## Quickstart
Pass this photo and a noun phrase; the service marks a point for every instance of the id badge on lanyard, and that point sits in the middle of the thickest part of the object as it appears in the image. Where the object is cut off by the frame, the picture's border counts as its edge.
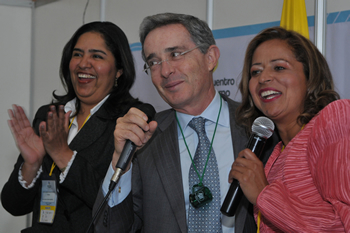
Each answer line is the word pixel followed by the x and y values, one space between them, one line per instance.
pixel 48 201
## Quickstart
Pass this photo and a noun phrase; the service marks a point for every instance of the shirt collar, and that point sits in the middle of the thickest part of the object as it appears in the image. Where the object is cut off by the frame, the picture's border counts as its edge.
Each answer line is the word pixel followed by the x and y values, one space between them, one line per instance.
pixel 210 113
pixel 70 106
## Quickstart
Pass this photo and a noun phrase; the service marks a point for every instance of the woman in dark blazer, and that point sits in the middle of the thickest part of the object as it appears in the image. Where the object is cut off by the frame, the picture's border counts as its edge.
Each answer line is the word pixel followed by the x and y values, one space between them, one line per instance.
pixel 66 153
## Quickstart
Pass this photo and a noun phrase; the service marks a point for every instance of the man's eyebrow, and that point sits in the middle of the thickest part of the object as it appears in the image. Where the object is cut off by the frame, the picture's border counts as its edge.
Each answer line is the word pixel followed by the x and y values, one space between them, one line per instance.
pixel 149 57
pixel 167 50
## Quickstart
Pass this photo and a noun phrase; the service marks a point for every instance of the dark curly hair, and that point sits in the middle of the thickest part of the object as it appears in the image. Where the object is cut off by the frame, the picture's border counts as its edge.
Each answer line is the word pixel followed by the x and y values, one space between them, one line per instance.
pixel 320 88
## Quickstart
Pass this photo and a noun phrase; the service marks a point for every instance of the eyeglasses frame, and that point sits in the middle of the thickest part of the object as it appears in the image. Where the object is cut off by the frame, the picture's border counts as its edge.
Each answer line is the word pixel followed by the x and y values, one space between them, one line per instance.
pixel 166 60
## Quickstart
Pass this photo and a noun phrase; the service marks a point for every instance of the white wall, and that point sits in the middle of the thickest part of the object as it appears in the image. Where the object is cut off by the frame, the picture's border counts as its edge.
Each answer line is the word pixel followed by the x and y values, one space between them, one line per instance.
pixel 15 40
pixel 55 23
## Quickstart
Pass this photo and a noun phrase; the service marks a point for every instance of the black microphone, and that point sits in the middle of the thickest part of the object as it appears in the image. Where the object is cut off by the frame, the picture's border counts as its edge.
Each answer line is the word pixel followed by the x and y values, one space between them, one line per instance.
pixel 124 159
pixel 262 129
pixel 129 148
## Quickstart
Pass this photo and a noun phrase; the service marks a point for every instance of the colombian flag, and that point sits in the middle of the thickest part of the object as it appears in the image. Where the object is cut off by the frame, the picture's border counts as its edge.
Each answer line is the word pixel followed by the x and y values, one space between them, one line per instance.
pixel 294 17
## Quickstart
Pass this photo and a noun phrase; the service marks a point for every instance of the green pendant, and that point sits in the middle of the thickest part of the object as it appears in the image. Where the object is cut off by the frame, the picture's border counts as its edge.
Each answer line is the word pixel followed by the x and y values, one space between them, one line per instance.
pixel 200 196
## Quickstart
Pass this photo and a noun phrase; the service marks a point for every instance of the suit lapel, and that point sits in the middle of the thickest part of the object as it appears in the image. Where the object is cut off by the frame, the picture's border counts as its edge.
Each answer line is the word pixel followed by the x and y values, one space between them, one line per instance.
pixel 167 160
pixel 239 140
pixel 92 131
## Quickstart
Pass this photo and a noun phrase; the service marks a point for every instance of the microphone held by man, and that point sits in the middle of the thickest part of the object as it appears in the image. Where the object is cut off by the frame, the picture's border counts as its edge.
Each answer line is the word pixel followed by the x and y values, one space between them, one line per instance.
pixel 129 148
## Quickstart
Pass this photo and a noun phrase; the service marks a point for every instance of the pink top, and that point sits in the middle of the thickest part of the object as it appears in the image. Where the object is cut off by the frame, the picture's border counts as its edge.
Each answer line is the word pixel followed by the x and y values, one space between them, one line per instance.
pixel 309 182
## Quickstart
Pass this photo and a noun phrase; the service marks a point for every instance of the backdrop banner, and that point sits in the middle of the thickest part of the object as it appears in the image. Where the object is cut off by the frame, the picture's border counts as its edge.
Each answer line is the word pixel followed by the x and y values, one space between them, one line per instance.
pixel 233 42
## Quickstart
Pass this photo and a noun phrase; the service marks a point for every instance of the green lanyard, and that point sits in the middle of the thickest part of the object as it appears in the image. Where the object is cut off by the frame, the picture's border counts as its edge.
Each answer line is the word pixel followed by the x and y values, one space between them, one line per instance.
pixel 211 144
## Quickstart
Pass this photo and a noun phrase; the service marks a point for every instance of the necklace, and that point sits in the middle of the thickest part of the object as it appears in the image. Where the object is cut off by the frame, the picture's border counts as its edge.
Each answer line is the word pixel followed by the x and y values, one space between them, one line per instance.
pixel 283 146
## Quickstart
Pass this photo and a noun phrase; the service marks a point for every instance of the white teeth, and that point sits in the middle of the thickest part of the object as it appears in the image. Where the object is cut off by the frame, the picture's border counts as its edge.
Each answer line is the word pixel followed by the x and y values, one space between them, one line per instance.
pixel 267 93
pixel 86 76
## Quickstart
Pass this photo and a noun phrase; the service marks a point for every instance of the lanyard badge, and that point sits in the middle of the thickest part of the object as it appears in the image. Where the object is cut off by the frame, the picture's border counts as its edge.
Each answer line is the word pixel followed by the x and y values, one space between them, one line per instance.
pixel 201 195
pixel 48 201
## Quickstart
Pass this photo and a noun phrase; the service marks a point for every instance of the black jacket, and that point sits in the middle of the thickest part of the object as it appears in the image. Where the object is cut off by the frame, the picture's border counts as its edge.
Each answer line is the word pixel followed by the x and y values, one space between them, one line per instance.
pixel 76 196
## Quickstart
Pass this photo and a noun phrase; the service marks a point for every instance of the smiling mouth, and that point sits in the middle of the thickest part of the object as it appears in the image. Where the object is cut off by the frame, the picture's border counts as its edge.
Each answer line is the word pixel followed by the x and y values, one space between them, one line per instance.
pixel 172 84
pixel 269 94
pixel 86 76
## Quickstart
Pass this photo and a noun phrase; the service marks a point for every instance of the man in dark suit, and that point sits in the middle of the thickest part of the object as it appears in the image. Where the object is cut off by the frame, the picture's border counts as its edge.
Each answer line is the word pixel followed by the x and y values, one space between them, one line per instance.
pixel 153 196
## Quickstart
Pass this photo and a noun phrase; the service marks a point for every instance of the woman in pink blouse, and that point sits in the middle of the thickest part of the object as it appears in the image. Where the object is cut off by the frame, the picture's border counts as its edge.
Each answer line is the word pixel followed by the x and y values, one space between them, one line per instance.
pixel 305 185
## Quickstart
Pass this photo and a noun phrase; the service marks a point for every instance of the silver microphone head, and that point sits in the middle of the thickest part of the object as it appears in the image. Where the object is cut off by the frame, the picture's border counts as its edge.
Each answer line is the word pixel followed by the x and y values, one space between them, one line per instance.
pixel 263 127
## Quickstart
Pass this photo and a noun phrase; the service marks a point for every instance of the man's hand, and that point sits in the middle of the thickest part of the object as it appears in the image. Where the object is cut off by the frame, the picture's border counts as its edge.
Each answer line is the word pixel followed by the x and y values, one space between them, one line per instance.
pixel 132 126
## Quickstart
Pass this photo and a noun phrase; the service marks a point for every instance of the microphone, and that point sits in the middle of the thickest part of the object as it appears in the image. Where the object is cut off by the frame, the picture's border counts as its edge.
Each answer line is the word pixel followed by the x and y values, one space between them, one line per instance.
pixel 262 129
pixel 124 159
pixel 129 149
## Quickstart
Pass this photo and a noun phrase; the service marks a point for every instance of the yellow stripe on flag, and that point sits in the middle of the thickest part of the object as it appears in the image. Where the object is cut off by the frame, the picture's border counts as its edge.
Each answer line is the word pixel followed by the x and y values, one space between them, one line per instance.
pixel 294 17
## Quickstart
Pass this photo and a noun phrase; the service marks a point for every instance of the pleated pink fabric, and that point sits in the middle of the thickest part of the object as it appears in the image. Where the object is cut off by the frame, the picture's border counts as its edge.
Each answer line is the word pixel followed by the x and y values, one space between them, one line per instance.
pixel 309 182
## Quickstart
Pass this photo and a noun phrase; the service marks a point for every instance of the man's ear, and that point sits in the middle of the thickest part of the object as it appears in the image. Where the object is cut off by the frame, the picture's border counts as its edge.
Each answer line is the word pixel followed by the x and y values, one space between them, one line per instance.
pixel 213 55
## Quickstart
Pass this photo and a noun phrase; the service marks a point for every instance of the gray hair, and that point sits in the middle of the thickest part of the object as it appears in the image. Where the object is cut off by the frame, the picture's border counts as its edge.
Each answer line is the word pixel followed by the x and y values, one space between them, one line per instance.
pixel 199 30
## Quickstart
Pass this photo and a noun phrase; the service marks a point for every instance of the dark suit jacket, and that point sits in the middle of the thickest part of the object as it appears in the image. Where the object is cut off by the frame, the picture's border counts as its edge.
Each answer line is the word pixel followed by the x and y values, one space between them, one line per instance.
pixel 95 145
pixel 157 202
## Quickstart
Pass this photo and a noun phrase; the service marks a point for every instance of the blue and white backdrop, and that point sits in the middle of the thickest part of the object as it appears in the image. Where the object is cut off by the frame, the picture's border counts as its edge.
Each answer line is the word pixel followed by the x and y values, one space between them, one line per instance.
pixel 233 42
